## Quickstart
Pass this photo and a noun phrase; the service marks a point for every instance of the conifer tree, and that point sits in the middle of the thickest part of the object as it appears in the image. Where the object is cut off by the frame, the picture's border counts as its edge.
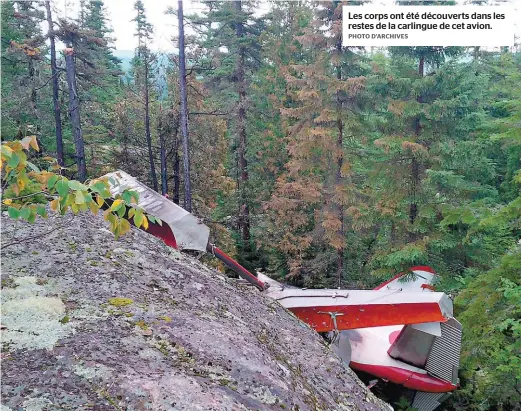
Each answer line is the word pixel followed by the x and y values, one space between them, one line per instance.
pixel 95 21
pixel 231 46
pixel 315 191
pixel 184 108
pixel 23 51
pixel 142 64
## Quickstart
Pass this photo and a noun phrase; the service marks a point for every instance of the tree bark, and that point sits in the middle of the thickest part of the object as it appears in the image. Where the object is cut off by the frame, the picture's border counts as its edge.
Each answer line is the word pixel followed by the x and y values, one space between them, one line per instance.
pixel 340 163
pixel 177 180
pixel 415 165
pixel 162 154
pixel 74 111
pixel 244 211
pixel 153 175
pixel 55 98
pixel 184 110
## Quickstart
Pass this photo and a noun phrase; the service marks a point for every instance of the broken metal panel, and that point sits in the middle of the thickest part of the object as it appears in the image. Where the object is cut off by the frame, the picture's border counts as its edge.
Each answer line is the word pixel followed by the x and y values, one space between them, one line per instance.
pixel 190 233
pixel 429 328
pixel 412 346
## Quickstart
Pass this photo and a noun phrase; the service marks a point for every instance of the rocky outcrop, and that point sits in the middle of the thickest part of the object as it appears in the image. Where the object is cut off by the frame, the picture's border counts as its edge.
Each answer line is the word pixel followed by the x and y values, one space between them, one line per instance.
pixel 90 323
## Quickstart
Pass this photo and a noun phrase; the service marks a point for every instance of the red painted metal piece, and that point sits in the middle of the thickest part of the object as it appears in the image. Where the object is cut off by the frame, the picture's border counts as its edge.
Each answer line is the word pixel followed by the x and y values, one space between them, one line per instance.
pixel 409 379
pixel 164 232
pixel 371 315
pixel 235 266
pixel 427 287
pixel 423 268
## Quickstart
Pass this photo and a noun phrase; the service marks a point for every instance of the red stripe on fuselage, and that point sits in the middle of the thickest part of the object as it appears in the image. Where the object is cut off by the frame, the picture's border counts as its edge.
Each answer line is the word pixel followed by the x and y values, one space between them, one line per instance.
pixel 409 379
pixel 369 315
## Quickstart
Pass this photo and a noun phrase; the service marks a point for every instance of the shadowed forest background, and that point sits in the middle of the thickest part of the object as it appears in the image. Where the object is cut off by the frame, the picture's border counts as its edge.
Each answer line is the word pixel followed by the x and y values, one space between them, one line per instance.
pixel 322 165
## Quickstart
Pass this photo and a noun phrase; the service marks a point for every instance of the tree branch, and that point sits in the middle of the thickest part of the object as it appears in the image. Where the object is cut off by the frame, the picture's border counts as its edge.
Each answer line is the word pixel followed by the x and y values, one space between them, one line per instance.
pixel 47 82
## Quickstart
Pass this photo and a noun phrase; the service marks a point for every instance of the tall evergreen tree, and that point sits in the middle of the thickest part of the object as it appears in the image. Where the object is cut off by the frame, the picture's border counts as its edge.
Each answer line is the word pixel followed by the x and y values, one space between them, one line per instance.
pixel 231 38
pixel 142 63
pixel 23 51
pixel 316 191
pixel 184 108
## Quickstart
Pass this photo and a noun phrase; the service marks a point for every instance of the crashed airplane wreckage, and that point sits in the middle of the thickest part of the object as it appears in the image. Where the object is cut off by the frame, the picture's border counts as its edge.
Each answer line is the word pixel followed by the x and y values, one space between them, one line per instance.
pixel 402 331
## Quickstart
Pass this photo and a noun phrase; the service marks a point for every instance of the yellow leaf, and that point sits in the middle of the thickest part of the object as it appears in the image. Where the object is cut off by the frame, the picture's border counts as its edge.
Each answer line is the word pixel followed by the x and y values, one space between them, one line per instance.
pixel 124 226
pixel 21 184
pixel 7 201
pixel 106 214
pixel 145 222
pixel 79 198
pixel 16 146
pixel 55 204
pixel 93 207
pixel 34 143
pixel 116 205
pixel 6 150
pixel 100 201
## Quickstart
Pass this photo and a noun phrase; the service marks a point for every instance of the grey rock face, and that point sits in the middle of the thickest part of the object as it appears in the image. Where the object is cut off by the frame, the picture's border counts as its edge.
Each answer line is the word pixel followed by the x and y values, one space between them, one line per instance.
pixel 90 323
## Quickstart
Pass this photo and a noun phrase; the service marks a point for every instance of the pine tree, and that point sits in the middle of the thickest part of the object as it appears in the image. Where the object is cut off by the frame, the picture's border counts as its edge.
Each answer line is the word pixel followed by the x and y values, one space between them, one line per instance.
pixel 266 130
pixel 315 193
pixel 184 108
pixel 142 63
pixel 23 51
pixel 231 46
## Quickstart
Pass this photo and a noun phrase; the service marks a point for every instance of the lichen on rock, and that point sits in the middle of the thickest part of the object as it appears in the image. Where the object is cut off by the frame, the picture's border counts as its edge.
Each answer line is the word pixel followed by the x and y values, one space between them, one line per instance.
pixel 31 319
pixel 180 337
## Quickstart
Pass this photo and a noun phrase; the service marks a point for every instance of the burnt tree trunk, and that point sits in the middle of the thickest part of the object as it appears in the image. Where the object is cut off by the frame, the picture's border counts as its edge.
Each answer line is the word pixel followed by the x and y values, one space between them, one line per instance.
pixel 153 175
pixel 55 98
pixel 244 211
pixel 74 112
pixel 184 110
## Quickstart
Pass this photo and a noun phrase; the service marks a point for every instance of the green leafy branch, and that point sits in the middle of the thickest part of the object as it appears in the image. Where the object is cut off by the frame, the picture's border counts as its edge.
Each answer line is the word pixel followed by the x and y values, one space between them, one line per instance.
pixel 27 190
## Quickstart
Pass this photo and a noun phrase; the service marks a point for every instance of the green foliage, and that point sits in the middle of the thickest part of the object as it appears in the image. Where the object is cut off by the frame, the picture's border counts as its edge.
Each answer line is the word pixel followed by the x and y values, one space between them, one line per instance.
pixel 490 310
pixel 425 167
pixel 28 189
